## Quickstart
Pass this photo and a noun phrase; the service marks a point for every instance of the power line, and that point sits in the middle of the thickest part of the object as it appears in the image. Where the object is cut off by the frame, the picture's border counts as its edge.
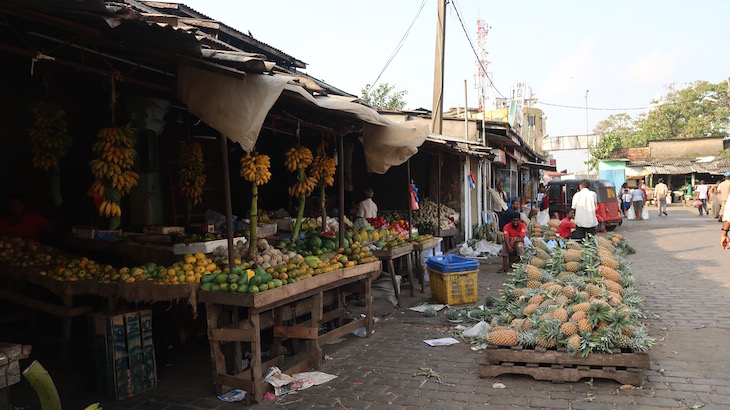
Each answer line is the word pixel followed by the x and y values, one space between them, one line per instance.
pixel 398 46
pixel 593 108
pixel 474 49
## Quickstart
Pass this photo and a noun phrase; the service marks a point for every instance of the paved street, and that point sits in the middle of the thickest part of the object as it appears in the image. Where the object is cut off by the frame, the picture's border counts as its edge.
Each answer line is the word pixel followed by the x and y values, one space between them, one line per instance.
pixel 679 269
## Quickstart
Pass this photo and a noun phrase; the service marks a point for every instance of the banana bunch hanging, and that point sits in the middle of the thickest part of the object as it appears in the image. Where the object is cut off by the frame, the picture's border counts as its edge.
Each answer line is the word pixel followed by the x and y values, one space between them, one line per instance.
pixel 109 208
pixel 255 168
pixel 112 168
pixel 191 175
pixel 303 187
pixel 49 137
pixel 297 157
pixel 323 169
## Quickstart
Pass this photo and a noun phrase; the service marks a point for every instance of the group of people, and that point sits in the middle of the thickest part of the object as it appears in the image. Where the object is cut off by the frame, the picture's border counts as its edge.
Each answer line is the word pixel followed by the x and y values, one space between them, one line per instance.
pixel 583 212
pixel 716 195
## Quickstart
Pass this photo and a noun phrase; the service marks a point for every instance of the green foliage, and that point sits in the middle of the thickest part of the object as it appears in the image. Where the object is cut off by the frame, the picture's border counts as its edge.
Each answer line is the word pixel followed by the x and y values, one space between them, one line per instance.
pixel 699 110
pixel 384 97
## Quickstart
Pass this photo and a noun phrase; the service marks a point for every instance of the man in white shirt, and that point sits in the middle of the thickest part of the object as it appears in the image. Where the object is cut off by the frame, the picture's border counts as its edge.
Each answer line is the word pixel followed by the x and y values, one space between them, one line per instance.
pixel 724 239
pixel 660 192
pixel 702 196
pixel 367 208
pixel 584 204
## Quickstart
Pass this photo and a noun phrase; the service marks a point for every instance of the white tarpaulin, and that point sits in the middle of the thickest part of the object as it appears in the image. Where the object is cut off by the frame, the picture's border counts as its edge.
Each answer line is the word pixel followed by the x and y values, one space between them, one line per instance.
pixel 236 107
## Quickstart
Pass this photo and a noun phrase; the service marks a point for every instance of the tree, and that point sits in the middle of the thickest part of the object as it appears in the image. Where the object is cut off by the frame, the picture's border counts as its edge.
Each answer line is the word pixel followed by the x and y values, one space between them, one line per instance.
pixel 383 97
pixel 700 110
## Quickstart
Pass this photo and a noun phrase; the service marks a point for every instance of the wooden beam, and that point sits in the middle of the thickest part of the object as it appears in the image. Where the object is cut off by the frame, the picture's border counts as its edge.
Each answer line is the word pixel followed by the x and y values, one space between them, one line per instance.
pixel 230 335
pixel 296 332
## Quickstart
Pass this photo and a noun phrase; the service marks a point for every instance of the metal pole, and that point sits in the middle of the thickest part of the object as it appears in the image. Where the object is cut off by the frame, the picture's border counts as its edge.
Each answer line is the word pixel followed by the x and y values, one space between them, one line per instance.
pixel 408 191
pixel 231 249
pixel 438 196
pixel 341 187
pixel 438 72
pixel 466 115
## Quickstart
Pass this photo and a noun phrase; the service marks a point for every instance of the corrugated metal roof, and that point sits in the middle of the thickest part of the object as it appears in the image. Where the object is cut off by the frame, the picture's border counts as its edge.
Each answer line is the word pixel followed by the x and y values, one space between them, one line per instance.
pixel 716 166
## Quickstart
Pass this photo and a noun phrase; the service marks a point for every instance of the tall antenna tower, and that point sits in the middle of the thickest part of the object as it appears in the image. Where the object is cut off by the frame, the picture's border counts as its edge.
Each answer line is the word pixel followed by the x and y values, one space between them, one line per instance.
pixel 482 78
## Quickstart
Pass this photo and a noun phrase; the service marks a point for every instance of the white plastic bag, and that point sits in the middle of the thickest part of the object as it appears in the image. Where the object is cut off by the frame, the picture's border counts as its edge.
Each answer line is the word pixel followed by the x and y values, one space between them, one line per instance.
pixel 645 212
pixel 631 213
pixel 479 330
pixel 543 217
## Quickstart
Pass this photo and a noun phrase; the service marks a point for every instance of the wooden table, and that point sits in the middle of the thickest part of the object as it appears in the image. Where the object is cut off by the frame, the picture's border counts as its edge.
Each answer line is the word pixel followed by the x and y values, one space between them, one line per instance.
pixel 389 257
pixel 280 308
pixel 424 246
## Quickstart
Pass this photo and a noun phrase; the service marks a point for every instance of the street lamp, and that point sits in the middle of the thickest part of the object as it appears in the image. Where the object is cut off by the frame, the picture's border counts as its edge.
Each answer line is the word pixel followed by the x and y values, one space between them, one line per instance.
pixel 587 114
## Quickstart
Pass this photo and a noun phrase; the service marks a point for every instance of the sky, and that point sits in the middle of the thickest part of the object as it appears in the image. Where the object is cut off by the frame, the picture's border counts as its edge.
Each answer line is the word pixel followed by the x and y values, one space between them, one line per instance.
pixel 625 52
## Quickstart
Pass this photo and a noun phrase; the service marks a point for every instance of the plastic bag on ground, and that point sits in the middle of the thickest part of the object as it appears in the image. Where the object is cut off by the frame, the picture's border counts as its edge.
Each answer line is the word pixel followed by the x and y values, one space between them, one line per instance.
pixel 466 250
pixel 479 330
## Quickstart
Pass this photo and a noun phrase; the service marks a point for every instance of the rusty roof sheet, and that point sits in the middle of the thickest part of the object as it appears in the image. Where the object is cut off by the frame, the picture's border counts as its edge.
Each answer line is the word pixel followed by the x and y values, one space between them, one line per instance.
pixel 716 166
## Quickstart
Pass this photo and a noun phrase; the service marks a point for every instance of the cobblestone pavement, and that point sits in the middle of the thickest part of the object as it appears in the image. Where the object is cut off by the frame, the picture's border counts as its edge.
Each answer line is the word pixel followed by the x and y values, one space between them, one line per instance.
pixel 679 269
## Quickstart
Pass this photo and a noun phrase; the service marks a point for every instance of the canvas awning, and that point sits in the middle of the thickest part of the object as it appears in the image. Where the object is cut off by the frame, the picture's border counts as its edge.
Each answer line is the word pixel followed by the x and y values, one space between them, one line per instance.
pixel 237 107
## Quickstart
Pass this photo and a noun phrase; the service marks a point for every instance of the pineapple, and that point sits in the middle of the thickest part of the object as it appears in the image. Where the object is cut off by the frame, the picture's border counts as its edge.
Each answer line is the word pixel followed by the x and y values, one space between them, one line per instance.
pixel 641 341
pixel 572 266
pixel 530 309
pixel 610 262
pixel 609 273
pixel 537 262
pixel 526 325
pixel 540 244
pixel 622 341
pixel 547 286
pixel 507 337
pixel 569 329
pixel 578 315
pixel 538 298
pixel 559 314
pixel 533 272
pixel 573 343
pixel 572 255
pixel 565 275
pixel 533 284
pixel 548 333
pixel 607 243
pixel 568 291
pixel 584 325
pixel 584 295
pixel 593 290
pixel 581 307
pixel 573 245
pixel 561 299
pixel 498 329
pixel 612 286
pixel 618 322
pixel 542 254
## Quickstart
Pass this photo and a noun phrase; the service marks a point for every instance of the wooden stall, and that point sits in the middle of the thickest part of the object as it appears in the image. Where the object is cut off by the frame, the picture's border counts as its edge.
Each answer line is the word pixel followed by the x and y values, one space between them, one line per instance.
pixel 295 311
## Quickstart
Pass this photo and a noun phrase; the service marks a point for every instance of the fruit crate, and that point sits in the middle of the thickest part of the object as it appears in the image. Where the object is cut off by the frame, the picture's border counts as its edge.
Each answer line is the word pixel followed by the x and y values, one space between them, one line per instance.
pixel 558 366
pixel 125 353
pixel 203 247
pixel 451 263
pixel 453 288
pixel 262 230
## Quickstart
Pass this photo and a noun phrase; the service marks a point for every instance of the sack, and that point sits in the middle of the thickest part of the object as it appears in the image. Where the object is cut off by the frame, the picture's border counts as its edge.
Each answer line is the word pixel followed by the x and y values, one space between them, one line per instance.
pixel 645 212
pixel 631 213
pixel 698 203
pixel 543 217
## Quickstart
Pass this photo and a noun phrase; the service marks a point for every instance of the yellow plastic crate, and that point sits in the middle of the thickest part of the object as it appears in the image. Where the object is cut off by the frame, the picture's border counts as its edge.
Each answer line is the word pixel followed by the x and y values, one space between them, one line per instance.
pixel 453 288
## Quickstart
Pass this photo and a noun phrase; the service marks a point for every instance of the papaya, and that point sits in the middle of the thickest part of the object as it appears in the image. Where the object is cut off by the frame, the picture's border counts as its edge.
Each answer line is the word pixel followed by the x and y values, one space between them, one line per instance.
pixel 243 288
pixel 206 286
pixel 255 281
pixel 207 278
pixel 221 278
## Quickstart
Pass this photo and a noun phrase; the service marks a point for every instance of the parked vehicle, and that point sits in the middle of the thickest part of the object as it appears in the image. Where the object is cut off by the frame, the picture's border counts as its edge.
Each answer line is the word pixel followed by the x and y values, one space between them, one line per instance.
pixel 608 210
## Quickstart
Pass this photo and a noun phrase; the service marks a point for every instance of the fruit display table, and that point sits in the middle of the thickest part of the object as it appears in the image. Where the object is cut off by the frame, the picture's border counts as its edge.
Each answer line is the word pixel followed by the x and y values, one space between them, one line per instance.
pixel 418 248
pixel 314 303
pixel 389 256
pixel 449 237
pixel 137 252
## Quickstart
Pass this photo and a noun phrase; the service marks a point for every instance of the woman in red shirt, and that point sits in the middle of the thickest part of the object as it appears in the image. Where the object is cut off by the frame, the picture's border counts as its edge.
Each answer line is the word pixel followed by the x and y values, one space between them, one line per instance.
pixel 566 227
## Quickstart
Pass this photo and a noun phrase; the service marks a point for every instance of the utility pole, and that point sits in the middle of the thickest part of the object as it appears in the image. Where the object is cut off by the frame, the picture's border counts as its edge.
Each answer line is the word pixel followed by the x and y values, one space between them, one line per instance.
pixel 438 72
pixel 587 115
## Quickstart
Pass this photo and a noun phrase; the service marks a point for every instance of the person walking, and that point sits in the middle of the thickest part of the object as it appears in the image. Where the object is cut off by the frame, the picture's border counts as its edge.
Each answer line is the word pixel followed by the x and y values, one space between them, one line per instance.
pixel 584 204
pixel 660 193
pixel 714 200
pixel 626 202
pixel 637 199
pixel 724 240
pixel 723 190
pixel 702 190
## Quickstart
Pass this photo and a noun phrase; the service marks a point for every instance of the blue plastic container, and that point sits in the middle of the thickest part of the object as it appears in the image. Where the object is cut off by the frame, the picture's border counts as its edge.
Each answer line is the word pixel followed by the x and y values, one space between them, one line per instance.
pixel 451 263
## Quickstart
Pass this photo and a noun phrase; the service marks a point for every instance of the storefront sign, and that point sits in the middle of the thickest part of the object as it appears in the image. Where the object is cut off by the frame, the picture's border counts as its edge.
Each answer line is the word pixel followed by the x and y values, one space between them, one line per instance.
pixel 499 156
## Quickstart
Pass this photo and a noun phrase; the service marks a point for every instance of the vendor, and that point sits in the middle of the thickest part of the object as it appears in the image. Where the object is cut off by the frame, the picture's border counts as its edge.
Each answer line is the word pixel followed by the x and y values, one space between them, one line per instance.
pixel 367 208
pixel 514 238
pixel 566 226
pixel 20 222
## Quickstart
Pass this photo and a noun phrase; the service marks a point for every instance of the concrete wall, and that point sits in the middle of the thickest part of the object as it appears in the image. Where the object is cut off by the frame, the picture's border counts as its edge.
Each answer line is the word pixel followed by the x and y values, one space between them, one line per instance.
pixel 685 148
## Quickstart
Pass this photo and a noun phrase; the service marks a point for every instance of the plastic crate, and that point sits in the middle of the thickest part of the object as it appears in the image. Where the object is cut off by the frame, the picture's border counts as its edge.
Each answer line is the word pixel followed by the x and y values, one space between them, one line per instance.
pixel 453 288
pixel 451 263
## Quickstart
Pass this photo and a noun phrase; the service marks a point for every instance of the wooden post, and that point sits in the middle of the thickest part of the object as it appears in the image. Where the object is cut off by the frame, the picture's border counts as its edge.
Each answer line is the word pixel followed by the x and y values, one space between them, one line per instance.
pixel 341 186
pixel 408 198
pixel 438 72
pixel 438 195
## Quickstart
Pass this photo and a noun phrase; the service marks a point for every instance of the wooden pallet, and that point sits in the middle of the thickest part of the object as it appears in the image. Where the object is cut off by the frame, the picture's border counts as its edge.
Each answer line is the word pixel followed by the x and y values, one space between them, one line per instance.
pixel 558 366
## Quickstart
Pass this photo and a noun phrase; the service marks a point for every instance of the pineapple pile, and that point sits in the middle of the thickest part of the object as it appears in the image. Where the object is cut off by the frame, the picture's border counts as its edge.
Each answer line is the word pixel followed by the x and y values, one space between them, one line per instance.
pixel 548 231
pixel 578 296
